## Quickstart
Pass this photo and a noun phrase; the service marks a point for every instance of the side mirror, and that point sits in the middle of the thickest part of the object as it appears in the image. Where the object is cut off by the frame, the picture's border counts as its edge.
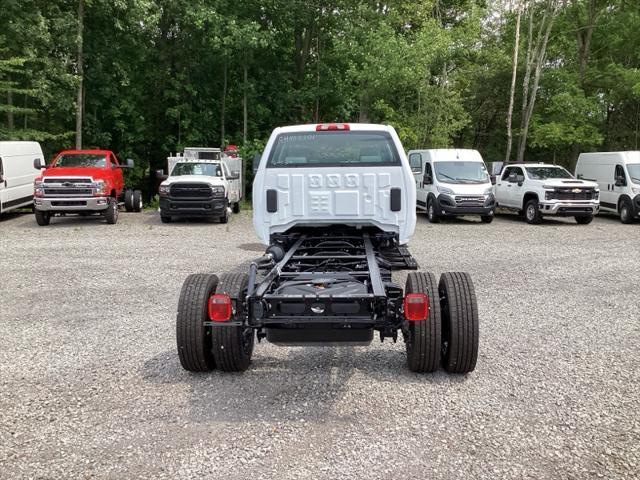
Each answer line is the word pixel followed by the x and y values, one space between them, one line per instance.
pixel 129 163
pixel 621 181
pixel 160 175
pixel 493 179
pixel 37 164
pixel 235 175
pixel 255 163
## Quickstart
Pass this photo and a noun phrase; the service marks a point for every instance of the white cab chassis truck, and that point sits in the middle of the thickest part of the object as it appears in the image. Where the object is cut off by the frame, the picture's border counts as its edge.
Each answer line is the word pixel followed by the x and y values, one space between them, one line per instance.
pixel 537 190
pixel 203 182
pixel 334 205
pixel 618 176
pixel 452 182
pixel 17 174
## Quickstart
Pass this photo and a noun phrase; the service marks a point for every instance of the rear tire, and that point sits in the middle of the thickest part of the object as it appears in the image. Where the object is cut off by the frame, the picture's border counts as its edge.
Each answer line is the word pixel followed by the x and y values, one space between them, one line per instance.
pixel 460 323
pixel 233 346
pixel 532 213
pixel 584 220
pixel 626 212
pixel 128 200
pixel 192 336
pixel 486 218
pixel 236 207
pixel 432 215
pixel 137 201
pixel 423 338
pixel 111 215
pixel 43 218
pixel 225 218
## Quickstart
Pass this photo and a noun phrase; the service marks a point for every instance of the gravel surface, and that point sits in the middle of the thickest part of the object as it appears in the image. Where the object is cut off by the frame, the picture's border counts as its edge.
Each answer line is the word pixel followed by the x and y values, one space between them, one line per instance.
pixel 91 386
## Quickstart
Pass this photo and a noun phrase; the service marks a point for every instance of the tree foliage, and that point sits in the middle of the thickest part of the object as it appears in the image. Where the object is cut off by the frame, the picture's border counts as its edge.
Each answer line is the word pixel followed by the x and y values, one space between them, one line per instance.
pixel 159 75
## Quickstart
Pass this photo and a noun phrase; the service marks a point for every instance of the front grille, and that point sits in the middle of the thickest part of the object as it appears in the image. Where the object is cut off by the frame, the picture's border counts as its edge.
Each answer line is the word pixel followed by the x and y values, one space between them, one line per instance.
pixel 68 191
pixel 470 200
pixel 191 190
pixel 571 194
pixel 67 180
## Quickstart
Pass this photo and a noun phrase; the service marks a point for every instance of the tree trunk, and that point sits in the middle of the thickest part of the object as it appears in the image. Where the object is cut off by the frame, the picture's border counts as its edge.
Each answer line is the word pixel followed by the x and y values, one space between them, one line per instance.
pixel 223 102
pixel 539 57
pixel 10 119
pixel 585 33
pixel 514 73
pixel 316 112
pixel 80 98
pixel 244 105
pixel 527 70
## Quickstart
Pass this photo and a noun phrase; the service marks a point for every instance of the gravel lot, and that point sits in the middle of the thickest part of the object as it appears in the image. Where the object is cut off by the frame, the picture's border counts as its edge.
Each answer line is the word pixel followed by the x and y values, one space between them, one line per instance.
pixel 91 386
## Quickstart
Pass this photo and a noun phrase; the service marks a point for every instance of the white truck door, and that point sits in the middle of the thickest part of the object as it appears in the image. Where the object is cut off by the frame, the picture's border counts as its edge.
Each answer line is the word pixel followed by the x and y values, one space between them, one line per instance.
pixel 502 187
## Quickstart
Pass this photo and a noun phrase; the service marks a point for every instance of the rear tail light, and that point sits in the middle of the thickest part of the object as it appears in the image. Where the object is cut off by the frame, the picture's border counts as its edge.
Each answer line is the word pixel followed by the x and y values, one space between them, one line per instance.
pixel 330 127
pixel 220 307
pixel 416 306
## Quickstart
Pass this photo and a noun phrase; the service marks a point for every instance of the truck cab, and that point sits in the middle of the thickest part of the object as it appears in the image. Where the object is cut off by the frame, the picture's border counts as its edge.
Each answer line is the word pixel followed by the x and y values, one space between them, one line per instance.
pixel 452 182
pixel 538 190
pixel 83 182
pixel 203 183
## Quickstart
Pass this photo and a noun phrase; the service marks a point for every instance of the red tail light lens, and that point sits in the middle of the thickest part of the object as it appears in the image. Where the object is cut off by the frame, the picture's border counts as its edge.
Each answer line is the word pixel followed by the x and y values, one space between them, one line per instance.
pixel 220 307
pixel 416 306
pixel 330 127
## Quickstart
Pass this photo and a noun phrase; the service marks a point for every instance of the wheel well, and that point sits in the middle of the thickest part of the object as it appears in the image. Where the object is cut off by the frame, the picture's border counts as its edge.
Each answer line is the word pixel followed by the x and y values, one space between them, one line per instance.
pixel 624 198
pixel 528 196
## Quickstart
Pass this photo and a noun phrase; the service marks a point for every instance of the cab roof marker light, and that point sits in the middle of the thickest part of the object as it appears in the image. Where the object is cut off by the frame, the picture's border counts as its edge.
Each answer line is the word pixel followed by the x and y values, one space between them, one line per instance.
pixel 332 127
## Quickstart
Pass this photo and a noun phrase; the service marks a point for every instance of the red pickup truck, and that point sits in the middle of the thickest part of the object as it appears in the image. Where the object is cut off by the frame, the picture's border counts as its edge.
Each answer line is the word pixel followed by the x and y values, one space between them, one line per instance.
pixel 83 182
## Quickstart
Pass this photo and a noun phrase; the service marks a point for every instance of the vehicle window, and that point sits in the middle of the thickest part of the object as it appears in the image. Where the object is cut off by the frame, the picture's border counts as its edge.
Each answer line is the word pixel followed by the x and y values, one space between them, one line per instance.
pixel 543 173
pixel 194 168
pixel 461 172
pixel 225 169
pixel 506 173
pixel 331 149
pixel 633 168
pixel 81 160
pixel 114 162
pixel 1 168
pixel 619 172
pixel 428 172
pixel 415 160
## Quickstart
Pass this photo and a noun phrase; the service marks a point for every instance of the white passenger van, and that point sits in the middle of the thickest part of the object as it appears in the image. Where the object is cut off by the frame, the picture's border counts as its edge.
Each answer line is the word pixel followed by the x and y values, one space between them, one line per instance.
pixel 451 182
pixel 618 175
pixel 17 174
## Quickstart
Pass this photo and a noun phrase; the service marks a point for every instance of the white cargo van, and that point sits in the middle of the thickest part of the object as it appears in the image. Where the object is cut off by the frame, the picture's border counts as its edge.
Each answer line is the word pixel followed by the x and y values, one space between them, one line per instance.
pixel 17 174
pixel 618 175
pixel 451 182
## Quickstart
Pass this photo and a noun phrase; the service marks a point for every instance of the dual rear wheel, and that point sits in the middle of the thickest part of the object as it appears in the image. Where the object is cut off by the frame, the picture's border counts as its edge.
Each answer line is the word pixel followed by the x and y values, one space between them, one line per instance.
pixel 449 334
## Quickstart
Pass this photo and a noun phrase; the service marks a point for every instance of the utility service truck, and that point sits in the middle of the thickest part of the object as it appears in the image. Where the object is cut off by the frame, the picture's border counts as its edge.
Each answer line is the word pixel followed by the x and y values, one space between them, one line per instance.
pixel 334 204
pixel 202 182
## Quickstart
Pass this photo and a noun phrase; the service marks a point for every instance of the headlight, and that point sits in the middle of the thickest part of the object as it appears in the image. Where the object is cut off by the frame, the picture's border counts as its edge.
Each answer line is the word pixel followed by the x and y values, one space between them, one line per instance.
pixel 446 190
pixel 164 190
pixel 38 188
pixel 488 191
pixel 218 191
pixel 100 187
pixel 550 187
pixel 635 190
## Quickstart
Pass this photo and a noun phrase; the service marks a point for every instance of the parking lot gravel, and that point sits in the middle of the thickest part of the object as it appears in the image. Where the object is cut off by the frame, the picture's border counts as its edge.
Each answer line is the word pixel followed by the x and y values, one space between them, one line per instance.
pixel 91 385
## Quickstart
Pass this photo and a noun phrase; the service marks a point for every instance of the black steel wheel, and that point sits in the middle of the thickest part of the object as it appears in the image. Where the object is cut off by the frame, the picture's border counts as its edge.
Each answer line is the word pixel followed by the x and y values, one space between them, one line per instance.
pixel 233 345
pixel 626 211
pixel 192 336
pixel 487 218
pixel 236 207
pixel 137 201
pixel 432 214
pixel 128 200
pixel 460 323
pixel 423 338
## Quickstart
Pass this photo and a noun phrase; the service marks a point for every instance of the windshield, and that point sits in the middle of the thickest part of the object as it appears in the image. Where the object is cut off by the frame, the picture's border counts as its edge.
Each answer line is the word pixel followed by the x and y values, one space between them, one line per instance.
pixel 192 168
pixel 461 172
pixel 634 172
pixel 327 149
pixel 81 160
pixel 544 173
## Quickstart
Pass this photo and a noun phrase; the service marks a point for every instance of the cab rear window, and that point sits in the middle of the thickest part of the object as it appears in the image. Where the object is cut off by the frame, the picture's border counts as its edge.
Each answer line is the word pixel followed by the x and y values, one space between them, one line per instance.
pixel 333 149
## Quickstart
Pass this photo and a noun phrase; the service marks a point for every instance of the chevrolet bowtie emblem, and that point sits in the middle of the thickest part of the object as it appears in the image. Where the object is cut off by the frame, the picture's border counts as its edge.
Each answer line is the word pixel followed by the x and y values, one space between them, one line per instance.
pixel 576 190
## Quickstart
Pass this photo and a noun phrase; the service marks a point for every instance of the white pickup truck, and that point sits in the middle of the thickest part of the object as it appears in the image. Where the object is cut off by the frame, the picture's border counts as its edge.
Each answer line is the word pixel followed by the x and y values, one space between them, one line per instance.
pixel 203 182
pixel 538 189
